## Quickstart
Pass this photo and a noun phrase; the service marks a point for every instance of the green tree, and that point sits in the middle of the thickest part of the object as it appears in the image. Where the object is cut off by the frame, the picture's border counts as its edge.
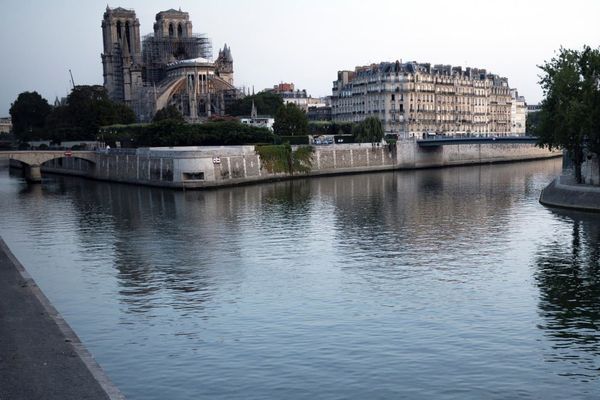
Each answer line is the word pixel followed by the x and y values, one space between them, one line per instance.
pixel 290 120
pixel 568 118
pixel 87 109
pixel 369 130
pixel 170 112
pixel 266 103
pixel 590 70
pixel 28 114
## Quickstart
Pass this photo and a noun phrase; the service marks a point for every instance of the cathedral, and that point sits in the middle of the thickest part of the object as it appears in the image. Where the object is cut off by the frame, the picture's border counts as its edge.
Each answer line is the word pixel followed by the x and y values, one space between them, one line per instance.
pixel 171 66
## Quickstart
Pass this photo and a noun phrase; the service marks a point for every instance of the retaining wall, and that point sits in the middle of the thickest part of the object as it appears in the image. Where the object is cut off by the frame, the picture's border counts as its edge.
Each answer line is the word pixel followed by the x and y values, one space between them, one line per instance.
pixel 197 167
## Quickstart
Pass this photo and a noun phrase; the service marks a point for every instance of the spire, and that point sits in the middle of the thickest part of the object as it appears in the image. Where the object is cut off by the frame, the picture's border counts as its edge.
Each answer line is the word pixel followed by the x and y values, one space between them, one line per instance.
pixel 253 113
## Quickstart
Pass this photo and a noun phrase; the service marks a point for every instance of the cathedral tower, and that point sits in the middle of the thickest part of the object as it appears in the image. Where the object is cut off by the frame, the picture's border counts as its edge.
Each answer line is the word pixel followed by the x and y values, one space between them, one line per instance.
pixel 224 64
pixel 122 56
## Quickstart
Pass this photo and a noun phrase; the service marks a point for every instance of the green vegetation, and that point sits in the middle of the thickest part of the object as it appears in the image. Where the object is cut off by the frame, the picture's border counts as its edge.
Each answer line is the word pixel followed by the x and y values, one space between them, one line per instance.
pixel 29 113
pixel 292 139
pixel 368 130
pixel 170 112
pixel 290 121
pixel 87 108
pixel 266 103
pixel 329 128
pixel 175 133
pixel 282 159
pixel 570 113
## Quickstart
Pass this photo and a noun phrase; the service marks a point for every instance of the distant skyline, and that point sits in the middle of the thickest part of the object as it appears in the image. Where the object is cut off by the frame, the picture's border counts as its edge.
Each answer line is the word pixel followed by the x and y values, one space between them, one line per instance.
pixel 304 42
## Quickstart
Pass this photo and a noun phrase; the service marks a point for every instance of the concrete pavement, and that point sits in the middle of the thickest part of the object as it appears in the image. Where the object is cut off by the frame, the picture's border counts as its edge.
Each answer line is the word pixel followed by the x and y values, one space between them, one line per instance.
pixel 40 356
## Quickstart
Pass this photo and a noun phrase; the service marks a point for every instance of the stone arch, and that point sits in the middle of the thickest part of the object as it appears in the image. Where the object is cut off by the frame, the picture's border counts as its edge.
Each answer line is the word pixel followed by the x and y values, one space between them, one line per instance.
pixel 179 30
pixel 32 160
pixel 171 31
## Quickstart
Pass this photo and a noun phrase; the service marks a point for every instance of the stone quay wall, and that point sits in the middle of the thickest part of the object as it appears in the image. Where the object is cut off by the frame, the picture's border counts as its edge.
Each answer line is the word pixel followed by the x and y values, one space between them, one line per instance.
pixel 203 167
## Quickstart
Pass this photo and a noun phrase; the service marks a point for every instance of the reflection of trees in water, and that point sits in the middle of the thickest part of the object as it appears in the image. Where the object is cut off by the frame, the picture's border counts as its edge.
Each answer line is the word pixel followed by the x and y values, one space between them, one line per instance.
pixel 162 243
pixel 568 277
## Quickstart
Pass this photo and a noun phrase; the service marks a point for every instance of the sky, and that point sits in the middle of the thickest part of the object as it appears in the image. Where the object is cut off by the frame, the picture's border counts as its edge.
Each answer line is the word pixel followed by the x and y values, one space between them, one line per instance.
pixel 301 41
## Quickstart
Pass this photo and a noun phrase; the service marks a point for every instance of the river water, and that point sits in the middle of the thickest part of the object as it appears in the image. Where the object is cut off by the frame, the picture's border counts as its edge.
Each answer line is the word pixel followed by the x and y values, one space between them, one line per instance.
pixel 434 284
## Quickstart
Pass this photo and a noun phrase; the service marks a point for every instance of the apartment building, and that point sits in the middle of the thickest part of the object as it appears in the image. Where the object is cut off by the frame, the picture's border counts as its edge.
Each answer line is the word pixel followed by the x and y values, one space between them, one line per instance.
pixel 416 99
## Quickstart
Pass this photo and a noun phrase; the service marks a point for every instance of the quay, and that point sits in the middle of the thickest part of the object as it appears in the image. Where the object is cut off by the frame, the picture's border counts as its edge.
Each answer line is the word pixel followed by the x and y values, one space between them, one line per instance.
pixel 564 192
pixel 40 355
pixel 214 166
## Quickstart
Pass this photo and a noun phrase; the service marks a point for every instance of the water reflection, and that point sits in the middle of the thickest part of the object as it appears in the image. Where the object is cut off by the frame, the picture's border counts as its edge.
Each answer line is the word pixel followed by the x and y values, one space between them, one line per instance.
pixel 568 277
pixel 378 285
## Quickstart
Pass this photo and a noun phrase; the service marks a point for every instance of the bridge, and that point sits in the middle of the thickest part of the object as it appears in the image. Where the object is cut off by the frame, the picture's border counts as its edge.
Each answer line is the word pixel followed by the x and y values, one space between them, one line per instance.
pixel 33 159
pixel 449 140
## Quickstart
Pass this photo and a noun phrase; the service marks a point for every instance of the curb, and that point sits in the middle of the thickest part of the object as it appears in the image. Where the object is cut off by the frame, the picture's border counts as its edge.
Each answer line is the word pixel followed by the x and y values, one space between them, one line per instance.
pixel 71 337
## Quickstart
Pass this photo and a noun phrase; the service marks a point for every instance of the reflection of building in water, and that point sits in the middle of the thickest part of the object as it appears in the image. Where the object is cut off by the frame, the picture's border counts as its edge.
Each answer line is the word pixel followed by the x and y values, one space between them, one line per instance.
pixel 568 278
pixel 171 66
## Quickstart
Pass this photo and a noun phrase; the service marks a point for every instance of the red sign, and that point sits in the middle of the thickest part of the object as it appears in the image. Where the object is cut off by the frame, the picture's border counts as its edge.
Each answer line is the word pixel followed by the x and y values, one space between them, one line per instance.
pixel 68 153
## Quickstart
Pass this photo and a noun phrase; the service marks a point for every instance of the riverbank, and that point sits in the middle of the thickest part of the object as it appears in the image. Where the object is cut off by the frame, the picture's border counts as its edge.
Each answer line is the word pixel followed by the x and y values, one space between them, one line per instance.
pixel 564 192
pixel 218 166
pixel 40 355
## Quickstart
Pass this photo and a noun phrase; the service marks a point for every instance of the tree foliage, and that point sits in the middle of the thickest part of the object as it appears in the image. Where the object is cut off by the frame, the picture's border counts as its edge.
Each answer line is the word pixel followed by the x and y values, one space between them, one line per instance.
pixel 266 103
pixel 28 114
pixel 369 130
pixel 175 133
pixel 568 117
pixel 170 112
pixel 329 128
pixel 290 121
pixel 282 159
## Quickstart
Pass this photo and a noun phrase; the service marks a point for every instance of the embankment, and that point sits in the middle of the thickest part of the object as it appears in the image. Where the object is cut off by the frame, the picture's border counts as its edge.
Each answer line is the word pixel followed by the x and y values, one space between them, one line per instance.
pixel 204 167
pixel 40 355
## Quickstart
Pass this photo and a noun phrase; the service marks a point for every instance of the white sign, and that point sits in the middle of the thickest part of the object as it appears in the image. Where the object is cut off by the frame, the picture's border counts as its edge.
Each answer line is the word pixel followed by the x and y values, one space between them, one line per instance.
pixel 216 160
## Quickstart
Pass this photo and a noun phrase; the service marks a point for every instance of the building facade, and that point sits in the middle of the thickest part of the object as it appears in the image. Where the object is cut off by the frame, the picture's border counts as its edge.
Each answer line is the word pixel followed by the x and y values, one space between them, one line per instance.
pixel 5 125
pixel 259 121
pixel 416 99
pixel 518 114
pixel 171 66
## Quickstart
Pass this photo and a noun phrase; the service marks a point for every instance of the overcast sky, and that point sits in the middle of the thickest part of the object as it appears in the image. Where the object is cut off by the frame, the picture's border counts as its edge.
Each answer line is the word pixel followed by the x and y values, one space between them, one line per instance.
pixel 301 41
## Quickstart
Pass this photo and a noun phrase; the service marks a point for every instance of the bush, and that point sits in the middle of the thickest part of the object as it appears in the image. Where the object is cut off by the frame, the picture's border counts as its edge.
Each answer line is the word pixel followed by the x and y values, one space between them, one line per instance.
pixel 281 159
pixel 318 128
pixel 293 139
pixel 174 133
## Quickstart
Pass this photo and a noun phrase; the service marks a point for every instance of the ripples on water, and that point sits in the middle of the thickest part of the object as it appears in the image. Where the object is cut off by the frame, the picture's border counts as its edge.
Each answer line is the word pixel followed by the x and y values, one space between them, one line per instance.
pixel 451 283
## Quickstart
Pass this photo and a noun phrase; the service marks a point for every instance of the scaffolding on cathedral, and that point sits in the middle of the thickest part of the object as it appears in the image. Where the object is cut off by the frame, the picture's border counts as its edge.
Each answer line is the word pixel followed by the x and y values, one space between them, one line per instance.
pixel 158 52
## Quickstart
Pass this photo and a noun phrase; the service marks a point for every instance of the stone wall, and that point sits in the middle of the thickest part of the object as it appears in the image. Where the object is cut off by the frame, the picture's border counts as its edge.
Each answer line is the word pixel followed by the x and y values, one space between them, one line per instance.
pixel 198 167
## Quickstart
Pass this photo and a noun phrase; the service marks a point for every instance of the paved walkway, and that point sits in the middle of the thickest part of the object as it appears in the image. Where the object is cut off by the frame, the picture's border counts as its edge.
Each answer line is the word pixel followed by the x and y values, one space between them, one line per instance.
pixel 40 356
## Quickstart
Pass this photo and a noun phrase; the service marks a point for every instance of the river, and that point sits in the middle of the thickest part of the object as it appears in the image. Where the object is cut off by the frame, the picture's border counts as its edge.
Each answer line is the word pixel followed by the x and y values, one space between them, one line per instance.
pixel 434 284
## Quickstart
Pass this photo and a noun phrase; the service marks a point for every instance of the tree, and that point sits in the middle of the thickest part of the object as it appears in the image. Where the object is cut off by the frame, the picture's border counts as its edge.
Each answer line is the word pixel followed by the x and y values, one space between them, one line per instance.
pixel 590 69
pixel 170 112
pixel 290 120
pixel 369 130
pixel 266 103
pixel 87 109
pixel 564 116
pixel 28 114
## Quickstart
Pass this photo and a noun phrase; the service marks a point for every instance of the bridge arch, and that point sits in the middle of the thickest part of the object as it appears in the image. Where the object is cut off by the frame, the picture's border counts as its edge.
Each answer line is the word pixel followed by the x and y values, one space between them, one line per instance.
pixel 33 160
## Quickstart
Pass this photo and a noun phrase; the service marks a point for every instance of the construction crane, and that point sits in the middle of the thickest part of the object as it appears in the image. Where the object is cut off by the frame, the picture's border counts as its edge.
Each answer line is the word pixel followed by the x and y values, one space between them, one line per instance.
pixel 72 81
